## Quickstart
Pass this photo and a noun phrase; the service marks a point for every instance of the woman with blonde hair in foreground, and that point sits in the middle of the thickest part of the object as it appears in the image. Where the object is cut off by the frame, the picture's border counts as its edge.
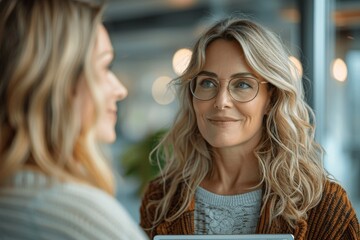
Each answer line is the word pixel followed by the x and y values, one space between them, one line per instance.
pixel 57 103
pixel 241 157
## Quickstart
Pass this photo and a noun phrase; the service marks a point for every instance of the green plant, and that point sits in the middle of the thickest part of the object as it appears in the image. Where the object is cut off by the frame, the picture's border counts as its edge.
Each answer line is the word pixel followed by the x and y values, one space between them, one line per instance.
pixel 135 159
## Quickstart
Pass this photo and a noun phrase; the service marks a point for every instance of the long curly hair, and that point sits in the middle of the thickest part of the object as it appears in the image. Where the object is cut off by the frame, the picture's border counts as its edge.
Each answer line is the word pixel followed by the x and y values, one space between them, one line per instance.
pixel 289 158
pixel 45 49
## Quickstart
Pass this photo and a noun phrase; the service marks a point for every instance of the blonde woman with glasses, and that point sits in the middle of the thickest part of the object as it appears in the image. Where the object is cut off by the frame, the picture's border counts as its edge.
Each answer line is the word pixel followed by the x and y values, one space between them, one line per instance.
pixel 241 157
pixel 57 103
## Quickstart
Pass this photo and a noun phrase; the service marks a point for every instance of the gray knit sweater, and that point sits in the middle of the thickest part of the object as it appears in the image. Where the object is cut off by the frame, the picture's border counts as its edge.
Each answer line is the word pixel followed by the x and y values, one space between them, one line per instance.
pixel 33 206
pixel 222 214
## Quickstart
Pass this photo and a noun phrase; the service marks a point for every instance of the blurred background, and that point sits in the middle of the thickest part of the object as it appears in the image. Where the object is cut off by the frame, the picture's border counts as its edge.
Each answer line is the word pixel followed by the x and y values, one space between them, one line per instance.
pixel 152 41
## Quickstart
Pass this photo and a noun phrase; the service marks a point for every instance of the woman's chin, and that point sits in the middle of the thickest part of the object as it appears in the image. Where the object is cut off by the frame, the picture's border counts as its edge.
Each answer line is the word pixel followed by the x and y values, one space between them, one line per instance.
pixel 106 136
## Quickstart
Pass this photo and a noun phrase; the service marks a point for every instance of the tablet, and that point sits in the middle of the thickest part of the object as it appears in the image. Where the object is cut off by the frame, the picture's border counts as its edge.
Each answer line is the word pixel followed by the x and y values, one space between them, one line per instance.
pixel 226 237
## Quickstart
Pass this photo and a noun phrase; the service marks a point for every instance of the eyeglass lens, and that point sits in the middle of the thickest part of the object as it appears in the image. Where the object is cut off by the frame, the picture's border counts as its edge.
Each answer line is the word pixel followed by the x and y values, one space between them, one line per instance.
pixel 242 89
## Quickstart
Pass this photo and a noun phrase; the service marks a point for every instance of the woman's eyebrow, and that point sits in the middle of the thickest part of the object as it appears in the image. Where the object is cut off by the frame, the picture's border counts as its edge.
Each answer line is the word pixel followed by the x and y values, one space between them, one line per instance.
pixel 207 73
pixel 243 74
pixel 235 75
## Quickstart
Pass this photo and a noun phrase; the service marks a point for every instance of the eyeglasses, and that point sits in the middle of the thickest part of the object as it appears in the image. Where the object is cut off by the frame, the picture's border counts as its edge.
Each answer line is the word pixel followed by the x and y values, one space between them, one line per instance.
pixel 241 88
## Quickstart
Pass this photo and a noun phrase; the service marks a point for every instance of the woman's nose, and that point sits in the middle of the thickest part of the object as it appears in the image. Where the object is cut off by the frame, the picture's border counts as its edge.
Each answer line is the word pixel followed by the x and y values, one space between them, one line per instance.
pixel 120 91
pixel 223 98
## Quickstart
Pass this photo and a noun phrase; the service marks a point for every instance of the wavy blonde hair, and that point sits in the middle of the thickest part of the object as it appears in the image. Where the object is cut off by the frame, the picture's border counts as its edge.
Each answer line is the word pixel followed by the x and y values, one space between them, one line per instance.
pixel 289 158
pixel 45 49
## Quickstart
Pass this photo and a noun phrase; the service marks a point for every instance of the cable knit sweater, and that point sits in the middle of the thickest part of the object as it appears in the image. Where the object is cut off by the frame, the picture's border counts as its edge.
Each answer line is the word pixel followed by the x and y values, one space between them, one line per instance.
pixel 33 206
pixel 332 219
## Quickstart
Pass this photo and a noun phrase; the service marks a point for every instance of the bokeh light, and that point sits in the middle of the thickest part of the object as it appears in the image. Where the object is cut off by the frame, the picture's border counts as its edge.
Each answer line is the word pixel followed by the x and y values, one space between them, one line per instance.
pixel 181 3
pixel 339 70
pixel 181 60
pixel 298 66
pixel 161 92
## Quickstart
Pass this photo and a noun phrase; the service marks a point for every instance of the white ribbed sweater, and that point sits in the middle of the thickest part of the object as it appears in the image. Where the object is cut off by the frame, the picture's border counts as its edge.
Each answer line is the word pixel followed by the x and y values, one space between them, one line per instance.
pixel 33 206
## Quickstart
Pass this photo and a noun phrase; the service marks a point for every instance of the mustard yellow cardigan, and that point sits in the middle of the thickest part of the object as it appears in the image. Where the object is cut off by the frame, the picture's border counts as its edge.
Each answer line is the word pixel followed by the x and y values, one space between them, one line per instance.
pixel 333 218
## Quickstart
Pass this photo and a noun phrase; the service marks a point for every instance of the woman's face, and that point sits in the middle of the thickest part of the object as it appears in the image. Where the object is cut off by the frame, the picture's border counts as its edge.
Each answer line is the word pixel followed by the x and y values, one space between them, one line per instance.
pixel 110 89
pixel 223 121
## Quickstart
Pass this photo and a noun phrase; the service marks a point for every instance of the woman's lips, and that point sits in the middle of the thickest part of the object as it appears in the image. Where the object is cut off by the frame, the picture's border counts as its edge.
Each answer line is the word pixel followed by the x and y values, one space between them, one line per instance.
pixel 223 121
pixel 113 114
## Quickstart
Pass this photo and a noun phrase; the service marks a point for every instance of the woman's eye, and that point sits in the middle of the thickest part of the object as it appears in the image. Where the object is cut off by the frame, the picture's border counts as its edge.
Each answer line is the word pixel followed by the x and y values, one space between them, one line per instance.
pixel 242 84
pixel 207 83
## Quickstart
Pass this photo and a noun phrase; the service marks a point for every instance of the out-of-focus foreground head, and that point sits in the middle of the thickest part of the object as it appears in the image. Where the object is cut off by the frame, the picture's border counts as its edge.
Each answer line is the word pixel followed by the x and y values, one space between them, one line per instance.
pixel 46 48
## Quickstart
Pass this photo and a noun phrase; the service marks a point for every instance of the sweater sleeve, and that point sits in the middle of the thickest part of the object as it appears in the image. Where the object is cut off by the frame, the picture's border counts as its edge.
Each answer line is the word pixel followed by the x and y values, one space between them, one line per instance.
pixel 352 232
pixel 334 217
pixel 147 212
pixel 74 211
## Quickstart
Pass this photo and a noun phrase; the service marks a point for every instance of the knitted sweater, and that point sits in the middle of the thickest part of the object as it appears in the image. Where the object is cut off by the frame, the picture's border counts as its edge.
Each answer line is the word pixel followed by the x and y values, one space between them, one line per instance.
pixel 34 206
pixel 226 214
pixel 333 218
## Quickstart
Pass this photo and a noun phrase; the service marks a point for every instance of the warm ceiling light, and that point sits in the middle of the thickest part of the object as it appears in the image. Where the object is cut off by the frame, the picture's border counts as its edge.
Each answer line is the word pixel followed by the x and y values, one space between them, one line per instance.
pixel 339 70
pixel 161 92
pixel 181 60
pixel 181 3
pixel 298 66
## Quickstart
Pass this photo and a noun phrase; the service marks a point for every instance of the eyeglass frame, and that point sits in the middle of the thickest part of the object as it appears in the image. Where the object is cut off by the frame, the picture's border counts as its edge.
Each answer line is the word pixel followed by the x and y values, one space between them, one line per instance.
pixel 234 76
